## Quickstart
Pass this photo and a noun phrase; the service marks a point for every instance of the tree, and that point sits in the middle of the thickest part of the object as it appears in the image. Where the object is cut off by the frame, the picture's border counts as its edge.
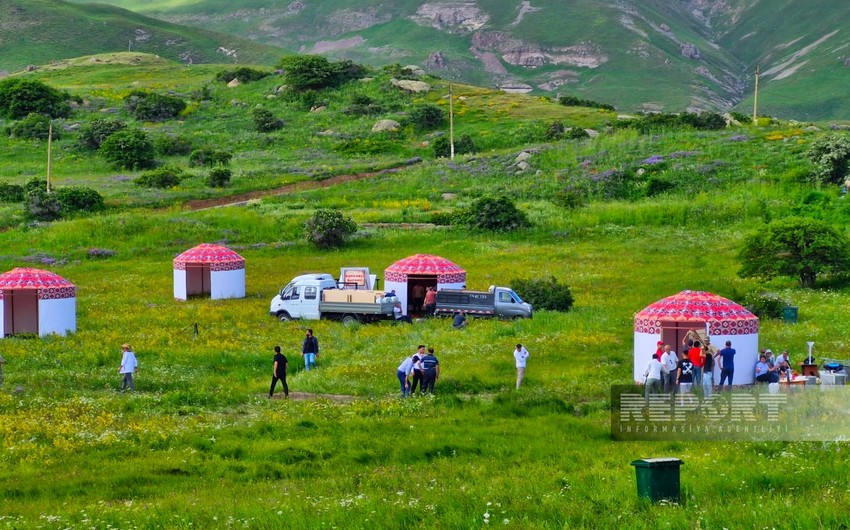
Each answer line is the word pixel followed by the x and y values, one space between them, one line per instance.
pixel 496 214
pixel 830 154
pixel 95 132
pixel 329 228
pixel 130 149
pixel 796 246
pixel 20 97
pixel 426 117
pixel 265 121
pixel 315 72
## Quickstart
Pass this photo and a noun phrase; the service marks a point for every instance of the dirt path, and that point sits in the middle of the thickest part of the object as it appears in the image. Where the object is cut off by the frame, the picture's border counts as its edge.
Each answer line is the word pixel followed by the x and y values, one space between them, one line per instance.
pixel 242 198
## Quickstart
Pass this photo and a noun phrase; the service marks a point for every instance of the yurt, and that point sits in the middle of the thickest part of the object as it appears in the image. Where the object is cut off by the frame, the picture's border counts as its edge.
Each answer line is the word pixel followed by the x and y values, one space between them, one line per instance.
pixel 211 270
pixel 715 317
pixel 36 301
pixel 425 271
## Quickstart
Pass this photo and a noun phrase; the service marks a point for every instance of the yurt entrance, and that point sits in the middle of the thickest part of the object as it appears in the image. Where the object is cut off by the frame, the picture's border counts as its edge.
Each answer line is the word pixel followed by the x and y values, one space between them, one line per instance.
pixel 20 311
pixel 418 285
pixel 197 279
pixel 674 333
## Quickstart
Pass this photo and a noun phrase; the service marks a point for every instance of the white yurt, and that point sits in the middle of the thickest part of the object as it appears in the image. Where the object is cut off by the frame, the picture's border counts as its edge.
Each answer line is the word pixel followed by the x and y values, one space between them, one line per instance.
pixel 36 301
pixel 425 270
pixel 715 317
pixel 211 270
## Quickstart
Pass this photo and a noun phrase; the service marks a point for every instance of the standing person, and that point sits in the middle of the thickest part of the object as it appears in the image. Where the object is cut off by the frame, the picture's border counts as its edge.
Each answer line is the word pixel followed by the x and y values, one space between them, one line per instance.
pixel 669 365
pixel 685 376
pixel 697 357
pixel 430 300
pixel 727 364
pixel 279 372
pixel 520 355
pixel 310 350
pixel 653 377
pixel 128 367
pixel 418 294
pixel 2 362
pixel 403 373
pixel 708 374
pixel 431 370
pixel 418 374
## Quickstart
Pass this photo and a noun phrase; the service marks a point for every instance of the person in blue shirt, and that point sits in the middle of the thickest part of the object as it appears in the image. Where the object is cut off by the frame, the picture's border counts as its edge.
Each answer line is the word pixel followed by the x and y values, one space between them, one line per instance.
pixel 727 364
pixel 459 320
pixel 431 371
pixel 764 372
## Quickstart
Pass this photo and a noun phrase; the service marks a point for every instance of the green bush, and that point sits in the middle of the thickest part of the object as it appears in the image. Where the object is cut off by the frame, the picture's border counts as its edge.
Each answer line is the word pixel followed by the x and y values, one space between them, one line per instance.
pixel 172 145
pixel 209 158
pixel 161 177
pixel 151 106
pixel 830 154
pixel 687 120
pixel 130 149
pixel 656 185
pixel 96 131
pixel 79 199
pixel 219 177
pixel 34 127
pixel 42 206
pixel 495 214
pixel 572 101
pixel 244 74
pixel 442 147
pixel 762 304
pixel 576 133
pixel 426 117
pixel 11 192
pixel 570 199
pixel 265 121
pixel 315 72
pixel 555 131
pixel 329 228
pixel 544 293
pixel 20 97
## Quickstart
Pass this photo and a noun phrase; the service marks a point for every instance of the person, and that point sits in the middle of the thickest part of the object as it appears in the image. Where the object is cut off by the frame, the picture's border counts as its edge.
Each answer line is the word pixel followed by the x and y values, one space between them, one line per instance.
pixel 771 360
pixel 310 350
pixel 707 373
pixel 520 356
pixel 697 357
pixel 390 294
pixel 2 362
pixel 727 364
pixel 783 364
pixel 764 372
pixel 659 349
pixel 653 377
pixel 279 372
pixel 669 364
pixel 430 300
pixel 430 370
pixel 459 320
pixel 418 374
pixel 418 295
pixel 128 367
pixel 685 374
pixel 403 373
pixel 398 316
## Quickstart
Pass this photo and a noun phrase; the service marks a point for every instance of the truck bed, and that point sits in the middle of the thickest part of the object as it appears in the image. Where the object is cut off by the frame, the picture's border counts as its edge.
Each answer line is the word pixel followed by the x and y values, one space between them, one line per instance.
pixel 364 308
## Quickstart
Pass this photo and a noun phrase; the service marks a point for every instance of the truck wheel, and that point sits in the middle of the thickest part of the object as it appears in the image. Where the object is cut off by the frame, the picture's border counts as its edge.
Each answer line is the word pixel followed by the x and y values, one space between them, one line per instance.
pixel 350 319
pixel 519 317
pixel 284 317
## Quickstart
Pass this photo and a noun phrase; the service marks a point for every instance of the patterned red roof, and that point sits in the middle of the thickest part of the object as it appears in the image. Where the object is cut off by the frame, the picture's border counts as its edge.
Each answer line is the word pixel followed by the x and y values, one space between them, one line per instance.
pixel 424 264
pixel 26 278
pixel 722 314
pixel 209 253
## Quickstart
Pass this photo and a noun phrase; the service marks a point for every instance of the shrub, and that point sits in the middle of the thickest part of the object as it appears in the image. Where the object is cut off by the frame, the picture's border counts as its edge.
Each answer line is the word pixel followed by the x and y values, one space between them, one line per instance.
pixel 172 145
pixel 329 228
pixel 496 214
pixel 42 206
pixel 34 127
pixel 569 198
pixel 265 121
pixel 572 101
pixel 11 192
pixel 161 177
pixel 20 97
pixel 555 131
pixel 96 131
pixel 150 106
pixel 219 177
pixel 209 158
pixel 426 117
pixel 685 120
pixel 243 74
pixel 763 305
pixel 576 133
pixel 79 199
pixel 441 147
pixel 830 154
pixel 315 72
pixel 657 185
pixel 465 145
pixel 35 184
pixel 544 293
pixel 130 149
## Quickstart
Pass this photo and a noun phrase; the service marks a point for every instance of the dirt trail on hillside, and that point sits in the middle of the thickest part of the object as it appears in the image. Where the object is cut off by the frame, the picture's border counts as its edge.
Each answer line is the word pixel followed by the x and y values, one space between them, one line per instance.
pixel 242 198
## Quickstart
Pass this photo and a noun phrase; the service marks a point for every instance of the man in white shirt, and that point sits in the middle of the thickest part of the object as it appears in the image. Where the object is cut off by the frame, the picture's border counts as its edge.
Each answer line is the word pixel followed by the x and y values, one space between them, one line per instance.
pixel 653 377
pixel 128 366
pixel 669 365
pixel 520 355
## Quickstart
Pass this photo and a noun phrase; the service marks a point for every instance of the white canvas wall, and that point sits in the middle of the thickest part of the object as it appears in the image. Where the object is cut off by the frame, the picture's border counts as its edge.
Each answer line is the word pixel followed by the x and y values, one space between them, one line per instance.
pixel 180 284
pixel 227 284
pixel 57 316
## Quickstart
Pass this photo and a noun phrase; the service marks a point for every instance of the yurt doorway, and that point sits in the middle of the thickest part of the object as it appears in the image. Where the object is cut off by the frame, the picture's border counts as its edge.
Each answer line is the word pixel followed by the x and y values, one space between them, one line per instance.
pixel 674 335
pixel 198 279
pixel 20 311
pixel 417 286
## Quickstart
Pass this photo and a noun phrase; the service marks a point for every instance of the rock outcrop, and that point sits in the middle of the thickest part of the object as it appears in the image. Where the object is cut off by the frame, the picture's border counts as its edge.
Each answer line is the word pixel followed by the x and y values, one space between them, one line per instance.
pixel 455 17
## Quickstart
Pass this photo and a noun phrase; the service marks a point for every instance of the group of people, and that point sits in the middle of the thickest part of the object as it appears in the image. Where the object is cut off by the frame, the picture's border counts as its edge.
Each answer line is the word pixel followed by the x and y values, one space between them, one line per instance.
pixel 309 352
pixel 771 369
pixel 424 367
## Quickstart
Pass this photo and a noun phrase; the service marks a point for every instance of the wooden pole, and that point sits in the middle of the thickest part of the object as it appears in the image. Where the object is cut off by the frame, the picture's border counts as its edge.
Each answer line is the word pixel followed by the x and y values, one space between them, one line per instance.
pixel 49 147
pixel 451 123
pixel 756 99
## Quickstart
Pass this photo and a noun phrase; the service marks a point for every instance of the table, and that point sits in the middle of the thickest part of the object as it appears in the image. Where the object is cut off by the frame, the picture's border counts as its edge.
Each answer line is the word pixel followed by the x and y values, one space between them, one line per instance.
pixel 809 369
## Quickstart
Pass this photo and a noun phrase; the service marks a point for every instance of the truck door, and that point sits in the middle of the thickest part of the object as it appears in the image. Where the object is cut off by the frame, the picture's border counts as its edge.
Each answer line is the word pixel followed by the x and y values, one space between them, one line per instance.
pixel 291 300
pixel 310 303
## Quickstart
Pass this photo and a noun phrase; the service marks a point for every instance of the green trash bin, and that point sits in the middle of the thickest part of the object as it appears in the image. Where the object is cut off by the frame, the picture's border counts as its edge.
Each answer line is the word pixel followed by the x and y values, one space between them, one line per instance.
pixel 789 314
pixel 658 478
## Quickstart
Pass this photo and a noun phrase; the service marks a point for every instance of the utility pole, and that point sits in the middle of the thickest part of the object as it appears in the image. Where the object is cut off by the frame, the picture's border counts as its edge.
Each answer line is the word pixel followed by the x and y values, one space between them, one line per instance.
pixel 756 99
pixel 451 123
pixel 49 147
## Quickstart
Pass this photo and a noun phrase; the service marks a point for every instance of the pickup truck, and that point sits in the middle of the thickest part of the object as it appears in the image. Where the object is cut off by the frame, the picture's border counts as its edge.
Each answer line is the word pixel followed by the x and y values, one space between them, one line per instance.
pixel 499 302
pixel 315 296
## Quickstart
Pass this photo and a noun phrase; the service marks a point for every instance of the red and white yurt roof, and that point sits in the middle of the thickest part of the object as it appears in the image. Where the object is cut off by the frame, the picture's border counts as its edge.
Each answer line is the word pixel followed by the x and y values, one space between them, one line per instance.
pixel 217 256
pixel 723 316
pixel 48 284
pixel 425 265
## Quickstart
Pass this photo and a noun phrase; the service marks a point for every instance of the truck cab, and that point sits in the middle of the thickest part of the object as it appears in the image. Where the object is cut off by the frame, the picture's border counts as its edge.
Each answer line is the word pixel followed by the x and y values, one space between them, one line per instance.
pixel 301 297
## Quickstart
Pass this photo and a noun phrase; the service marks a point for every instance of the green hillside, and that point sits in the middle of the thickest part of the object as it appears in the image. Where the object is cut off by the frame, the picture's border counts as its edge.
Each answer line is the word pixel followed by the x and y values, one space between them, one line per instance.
pixel 39 31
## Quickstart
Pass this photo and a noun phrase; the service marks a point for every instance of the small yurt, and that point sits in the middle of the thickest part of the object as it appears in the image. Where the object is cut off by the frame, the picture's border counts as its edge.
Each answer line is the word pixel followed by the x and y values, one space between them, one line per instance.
pixel 36 301
pixel 211 270
pixel 425 270
pixel 720 319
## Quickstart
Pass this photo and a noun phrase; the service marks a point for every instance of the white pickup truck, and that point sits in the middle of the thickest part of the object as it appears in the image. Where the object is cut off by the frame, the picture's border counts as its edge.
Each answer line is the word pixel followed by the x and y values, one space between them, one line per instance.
pixel 315 296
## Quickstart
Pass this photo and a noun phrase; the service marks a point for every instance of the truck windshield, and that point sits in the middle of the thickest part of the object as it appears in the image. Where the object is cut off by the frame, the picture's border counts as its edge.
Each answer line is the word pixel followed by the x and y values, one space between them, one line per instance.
pixel 285 292
pixel 516 298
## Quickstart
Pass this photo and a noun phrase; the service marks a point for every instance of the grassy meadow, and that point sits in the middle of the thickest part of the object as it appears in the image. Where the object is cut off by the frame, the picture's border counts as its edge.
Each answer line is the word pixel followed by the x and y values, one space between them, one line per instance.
pixel 200 446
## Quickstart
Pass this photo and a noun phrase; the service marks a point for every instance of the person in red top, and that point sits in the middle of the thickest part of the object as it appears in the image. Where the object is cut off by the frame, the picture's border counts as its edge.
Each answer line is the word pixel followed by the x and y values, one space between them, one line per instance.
pixel 695 355
pixel 659 351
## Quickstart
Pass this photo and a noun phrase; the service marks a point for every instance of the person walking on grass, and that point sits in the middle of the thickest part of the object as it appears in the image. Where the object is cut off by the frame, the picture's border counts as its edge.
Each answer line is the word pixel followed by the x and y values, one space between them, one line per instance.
pixel 431 369
pixel 520 356
pixel 279 373
pixel 418 373
pixel 652 384
pixel 310 350
pixel 129 366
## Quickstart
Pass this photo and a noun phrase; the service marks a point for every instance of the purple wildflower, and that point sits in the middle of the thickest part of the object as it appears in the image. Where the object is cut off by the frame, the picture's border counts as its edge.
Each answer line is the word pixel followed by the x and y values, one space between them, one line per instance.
pixel 654 159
